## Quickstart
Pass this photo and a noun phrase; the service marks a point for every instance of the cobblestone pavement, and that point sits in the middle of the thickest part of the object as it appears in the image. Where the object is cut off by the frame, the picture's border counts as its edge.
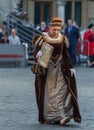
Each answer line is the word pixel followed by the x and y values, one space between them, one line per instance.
pixel 18 110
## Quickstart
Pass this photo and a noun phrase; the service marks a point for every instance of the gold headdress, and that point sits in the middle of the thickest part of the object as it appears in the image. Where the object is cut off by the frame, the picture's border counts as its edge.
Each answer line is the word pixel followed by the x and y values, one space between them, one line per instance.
pixel 56 21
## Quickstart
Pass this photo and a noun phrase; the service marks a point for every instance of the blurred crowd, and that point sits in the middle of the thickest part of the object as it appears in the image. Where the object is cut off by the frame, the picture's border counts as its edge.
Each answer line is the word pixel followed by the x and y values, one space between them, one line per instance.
pixel 11 39
pixel 81 42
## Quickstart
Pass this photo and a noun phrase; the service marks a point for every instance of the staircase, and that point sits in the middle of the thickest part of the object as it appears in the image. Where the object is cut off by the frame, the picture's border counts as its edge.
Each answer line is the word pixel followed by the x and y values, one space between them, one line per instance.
pixel 26 32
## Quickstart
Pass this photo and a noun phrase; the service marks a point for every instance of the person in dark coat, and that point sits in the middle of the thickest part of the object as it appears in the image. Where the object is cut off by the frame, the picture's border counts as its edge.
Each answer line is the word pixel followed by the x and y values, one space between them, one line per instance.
pixel 56 91
pixel 72 34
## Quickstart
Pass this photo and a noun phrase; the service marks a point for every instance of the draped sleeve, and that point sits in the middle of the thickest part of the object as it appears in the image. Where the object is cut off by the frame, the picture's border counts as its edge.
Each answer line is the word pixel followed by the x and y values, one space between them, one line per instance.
pixel 37 42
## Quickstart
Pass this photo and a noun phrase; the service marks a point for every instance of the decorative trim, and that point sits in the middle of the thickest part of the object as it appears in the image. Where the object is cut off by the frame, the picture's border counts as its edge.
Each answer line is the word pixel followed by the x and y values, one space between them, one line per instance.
pixel 40 43
pixel 48 39
pixel 38 40
pixel 55 63
pixel 66 42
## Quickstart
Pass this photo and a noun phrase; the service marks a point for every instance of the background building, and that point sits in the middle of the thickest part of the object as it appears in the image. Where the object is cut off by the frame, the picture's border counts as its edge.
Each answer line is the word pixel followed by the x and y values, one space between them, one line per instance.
pixel 79 10
pixel 42 10
pixel 6 6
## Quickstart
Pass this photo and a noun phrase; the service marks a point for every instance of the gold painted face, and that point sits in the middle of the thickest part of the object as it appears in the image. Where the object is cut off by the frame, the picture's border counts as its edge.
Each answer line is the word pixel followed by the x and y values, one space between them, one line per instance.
pixel 55 30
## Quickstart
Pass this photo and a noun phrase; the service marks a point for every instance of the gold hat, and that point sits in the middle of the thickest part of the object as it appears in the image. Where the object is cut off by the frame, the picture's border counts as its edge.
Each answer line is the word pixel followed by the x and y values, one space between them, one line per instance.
pixel 56 21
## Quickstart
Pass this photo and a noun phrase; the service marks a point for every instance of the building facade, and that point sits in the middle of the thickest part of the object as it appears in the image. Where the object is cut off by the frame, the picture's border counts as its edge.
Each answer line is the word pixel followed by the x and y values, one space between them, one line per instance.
pixel 6 6
pixel 80 11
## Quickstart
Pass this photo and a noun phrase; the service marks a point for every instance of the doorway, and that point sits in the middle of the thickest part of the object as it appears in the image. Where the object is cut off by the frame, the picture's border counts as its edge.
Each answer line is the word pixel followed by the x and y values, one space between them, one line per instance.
pixel 43 12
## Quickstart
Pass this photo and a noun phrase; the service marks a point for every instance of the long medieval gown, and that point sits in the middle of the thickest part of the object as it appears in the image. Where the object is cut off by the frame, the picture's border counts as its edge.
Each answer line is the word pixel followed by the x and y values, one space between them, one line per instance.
pixel 56 91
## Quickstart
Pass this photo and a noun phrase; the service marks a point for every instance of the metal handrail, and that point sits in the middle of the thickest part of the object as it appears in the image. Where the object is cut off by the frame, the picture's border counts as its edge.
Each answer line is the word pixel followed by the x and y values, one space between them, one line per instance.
pixel 25 33
pixel 20 22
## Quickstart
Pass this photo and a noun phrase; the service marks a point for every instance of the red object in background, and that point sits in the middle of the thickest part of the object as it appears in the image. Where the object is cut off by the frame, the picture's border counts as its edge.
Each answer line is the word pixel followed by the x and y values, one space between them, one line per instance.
pixel 11 56
pixel 85 50
pixel 88 43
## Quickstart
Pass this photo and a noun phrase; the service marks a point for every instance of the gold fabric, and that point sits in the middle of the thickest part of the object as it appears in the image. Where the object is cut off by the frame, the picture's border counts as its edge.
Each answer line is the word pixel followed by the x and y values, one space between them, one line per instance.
pixel 57 99
pixel 56 21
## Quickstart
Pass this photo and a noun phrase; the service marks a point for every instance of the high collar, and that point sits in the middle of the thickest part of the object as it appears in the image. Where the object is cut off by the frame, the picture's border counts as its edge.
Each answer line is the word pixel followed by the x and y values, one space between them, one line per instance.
pixel 48 38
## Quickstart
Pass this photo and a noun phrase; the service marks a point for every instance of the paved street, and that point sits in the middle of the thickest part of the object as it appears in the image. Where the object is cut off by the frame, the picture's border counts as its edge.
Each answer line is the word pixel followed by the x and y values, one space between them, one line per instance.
pixel 18 110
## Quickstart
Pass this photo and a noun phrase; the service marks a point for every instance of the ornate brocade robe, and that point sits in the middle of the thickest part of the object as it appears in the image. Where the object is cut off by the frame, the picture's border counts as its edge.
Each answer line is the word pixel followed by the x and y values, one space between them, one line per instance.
pixel 60 55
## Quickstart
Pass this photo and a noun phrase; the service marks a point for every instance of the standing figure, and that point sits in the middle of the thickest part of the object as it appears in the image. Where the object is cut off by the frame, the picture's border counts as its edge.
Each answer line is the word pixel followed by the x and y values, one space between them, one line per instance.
pixel 72 33
pixel 89 45
pixel 56 92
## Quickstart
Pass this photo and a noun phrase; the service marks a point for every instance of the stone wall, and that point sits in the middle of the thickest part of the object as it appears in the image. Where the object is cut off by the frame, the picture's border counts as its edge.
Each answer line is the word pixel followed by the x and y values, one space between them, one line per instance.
pixel 5 7
pixel 91 11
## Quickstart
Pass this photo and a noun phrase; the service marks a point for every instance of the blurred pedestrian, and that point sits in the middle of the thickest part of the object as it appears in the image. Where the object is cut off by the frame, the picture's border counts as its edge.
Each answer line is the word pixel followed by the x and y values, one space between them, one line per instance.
pixel 72 33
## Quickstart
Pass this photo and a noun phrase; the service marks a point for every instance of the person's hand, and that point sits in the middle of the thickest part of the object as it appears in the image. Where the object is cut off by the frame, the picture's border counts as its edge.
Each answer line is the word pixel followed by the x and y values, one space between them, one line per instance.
pixel 39 53
pixel 73 72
